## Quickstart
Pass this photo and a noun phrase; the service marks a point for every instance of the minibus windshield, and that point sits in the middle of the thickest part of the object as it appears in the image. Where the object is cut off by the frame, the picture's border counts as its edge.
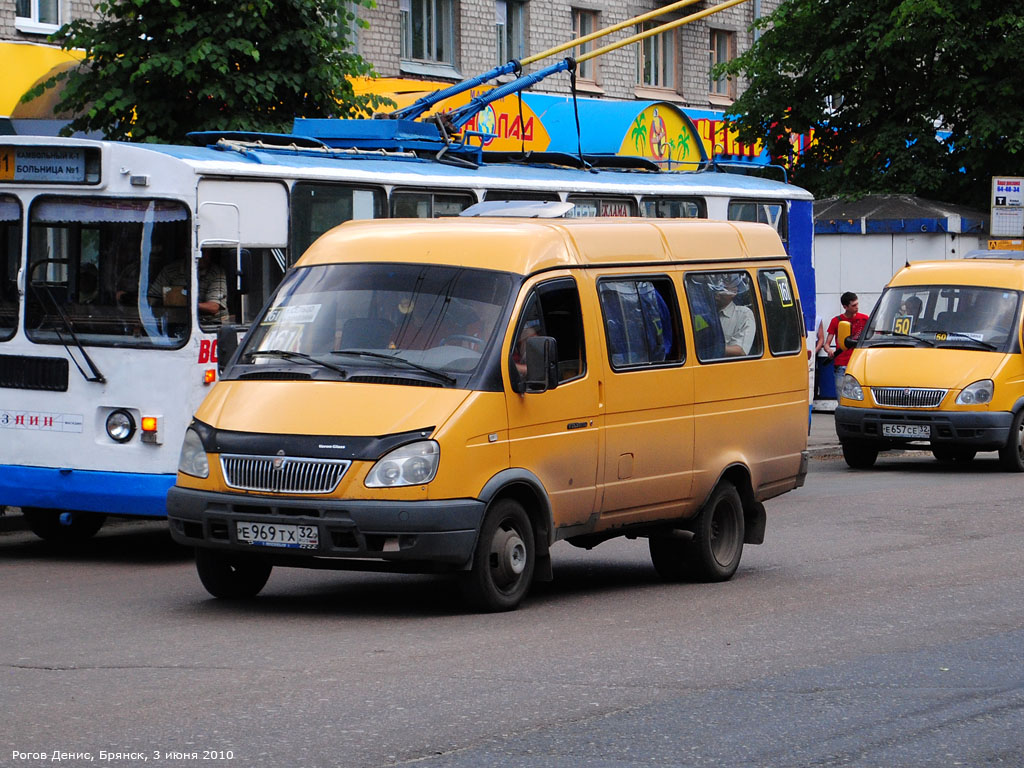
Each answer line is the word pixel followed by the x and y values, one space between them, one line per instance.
pixel 426 322
pixel 967 317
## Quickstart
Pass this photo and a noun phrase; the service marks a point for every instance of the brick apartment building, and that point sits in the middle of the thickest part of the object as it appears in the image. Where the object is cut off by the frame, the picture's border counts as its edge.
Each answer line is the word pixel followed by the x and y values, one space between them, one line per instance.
pixel 446 40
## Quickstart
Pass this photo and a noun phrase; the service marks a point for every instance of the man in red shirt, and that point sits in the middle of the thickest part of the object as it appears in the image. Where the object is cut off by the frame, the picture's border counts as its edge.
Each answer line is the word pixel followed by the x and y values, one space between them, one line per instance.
pixel 840 357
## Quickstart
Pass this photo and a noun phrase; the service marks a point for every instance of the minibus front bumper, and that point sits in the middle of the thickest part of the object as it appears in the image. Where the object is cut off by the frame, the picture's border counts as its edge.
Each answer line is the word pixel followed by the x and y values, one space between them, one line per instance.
pixel 981 431
pixel 422 535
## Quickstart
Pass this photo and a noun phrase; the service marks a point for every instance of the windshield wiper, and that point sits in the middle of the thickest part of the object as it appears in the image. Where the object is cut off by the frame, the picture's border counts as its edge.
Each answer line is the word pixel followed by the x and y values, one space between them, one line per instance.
pixel 965 337
pixel 96 376
pixel 900 335
pixel 285 354
pixel 393 359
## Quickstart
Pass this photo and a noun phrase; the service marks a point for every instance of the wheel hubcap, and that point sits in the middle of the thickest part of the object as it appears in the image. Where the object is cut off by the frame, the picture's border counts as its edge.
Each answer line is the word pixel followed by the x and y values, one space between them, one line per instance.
pixel 508 556
pixel 723 534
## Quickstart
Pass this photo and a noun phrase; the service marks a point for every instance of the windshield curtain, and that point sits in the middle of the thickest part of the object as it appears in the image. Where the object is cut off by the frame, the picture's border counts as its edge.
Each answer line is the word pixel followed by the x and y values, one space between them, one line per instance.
pixel 10 250
pixel 439 317
pixel 945 316
pixel 91 265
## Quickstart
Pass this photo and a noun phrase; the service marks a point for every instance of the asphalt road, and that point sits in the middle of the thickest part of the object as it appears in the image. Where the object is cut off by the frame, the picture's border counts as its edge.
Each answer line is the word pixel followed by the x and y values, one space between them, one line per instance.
pixel 881 624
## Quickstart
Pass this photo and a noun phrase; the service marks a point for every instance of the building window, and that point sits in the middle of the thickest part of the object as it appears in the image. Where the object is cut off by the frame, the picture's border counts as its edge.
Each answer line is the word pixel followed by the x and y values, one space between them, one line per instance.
pixel 656 58
pixel 428 30
pixel 37 15
pixel 510 26
pixel 584 23
pixel 723 49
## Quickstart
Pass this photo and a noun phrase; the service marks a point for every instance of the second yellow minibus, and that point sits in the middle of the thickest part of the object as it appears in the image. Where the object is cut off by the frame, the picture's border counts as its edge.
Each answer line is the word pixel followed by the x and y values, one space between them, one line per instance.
pixel 939 365
pixel 461 394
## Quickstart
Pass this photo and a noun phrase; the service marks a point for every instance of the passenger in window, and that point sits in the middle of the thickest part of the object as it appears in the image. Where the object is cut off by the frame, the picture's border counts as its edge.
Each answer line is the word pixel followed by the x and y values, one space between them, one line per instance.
pixel 170 289
pixel 88 284
pixel 738 325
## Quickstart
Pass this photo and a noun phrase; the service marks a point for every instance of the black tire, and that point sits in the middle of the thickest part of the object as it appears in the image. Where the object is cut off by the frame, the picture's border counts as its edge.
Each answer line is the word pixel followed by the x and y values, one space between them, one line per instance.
pixel 1011 455
pixel 231 576
pixel 714 552
pixel 504 559
pixel 859 455
pixel 47 525
pixel 671 557
pixel 950 454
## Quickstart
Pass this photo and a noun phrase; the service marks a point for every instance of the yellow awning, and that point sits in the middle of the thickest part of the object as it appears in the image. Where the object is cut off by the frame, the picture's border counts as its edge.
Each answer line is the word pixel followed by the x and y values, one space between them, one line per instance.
pixel 24 65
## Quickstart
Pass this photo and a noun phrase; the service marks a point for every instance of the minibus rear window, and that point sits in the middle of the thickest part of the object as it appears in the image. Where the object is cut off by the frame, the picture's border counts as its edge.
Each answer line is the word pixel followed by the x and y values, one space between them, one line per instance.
pixel 782 317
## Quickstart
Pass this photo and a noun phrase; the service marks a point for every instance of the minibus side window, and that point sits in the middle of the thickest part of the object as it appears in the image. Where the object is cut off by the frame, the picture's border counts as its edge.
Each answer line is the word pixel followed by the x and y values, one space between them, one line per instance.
pixel 553 309
pixel 723 308
pixel 641 322
pixel 782 317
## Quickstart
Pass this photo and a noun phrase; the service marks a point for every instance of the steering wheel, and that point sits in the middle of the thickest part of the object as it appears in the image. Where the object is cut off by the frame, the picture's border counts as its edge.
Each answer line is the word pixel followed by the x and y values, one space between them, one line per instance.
pixel 455 339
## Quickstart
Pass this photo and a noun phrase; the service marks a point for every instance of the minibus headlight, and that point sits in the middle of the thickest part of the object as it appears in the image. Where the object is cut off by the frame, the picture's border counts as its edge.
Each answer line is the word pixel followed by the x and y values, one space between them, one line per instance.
pixel 192 460
pixel 851 389
pixel 413 464
pixel 978 393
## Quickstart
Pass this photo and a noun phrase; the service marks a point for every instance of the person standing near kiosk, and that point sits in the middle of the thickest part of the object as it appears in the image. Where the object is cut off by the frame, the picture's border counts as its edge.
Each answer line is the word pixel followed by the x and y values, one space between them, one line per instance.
pixel 840 357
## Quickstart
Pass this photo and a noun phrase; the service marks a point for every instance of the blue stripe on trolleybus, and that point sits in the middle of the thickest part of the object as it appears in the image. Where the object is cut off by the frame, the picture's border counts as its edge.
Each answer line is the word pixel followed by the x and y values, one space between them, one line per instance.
pixel 116 493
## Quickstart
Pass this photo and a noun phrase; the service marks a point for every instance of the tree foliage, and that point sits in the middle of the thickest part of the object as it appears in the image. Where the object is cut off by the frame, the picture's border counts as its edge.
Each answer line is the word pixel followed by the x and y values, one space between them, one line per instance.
pixel 156 69
pixel 902 96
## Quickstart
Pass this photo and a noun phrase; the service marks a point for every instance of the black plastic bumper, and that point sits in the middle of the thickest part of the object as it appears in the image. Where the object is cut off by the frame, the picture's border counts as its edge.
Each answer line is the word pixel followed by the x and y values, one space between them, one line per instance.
pixel 981 431
pixel 398 535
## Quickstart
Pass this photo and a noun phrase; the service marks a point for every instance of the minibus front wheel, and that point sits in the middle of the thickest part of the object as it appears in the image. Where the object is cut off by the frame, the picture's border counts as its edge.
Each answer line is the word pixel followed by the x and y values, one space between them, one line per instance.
pixel 504 559
pixel 1011 455
pixel 230 576
pixel 859 455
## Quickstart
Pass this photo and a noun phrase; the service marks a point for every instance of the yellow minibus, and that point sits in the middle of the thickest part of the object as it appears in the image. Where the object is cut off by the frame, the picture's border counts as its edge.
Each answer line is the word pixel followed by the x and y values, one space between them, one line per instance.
pixel 459 394
pixel 939 366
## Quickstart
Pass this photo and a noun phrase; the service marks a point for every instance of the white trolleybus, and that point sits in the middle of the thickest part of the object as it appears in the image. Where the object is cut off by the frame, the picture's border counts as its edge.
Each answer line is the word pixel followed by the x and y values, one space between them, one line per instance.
pixel 119 263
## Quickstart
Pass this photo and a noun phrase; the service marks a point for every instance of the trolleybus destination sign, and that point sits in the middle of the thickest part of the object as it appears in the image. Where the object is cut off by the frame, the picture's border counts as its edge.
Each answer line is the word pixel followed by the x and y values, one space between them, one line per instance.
pixel 64 165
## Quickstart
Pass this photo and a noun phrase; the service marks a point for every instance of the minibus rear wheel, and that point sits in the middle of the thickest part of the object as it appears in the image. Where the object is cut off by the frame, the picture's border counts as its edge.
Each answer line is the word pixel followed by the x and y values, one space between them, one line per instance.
pixel 229 576
pixel 859 455
pixel 1011 455
pixel 62 527
pixel 713 552
pixel 504 559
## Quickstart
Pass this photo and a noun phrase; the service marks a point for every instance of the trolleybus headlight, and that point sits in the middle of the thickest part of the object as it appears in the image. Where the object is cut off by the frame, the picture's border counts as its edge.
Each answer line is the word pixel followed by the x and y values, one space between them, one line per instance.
pixel 120 425
pixel 978 393
pixel 192 460
pixel 851 388
pixel 413 464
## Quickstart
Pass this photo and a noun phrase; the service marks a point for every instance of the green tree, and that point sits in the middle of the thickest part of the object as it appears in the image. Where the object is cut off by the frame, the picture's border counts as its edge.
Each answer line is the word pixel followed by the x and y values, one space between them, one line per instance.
pixel 903 96
pixel 156 69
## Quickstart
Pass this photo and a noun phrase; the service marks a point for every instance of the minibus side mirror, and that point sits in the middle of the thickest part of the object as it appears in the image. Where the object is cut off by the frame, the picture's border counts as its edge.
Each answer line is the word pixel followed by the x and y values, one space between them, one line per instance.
pixel 227 344
pixel 541 364
pixel 843 340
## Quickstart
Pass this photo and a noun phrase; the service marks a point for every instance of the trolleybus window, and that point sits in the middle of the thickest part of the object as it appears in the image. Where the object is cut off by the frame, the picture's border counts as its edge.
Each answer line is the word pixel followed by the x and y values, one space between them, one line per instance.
pixel 772 213
pixel 317 208
pixel 418 204
pixel 589 205
pixel 92 263
pixel 515 194
pixel 674 208
pixel 10 246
